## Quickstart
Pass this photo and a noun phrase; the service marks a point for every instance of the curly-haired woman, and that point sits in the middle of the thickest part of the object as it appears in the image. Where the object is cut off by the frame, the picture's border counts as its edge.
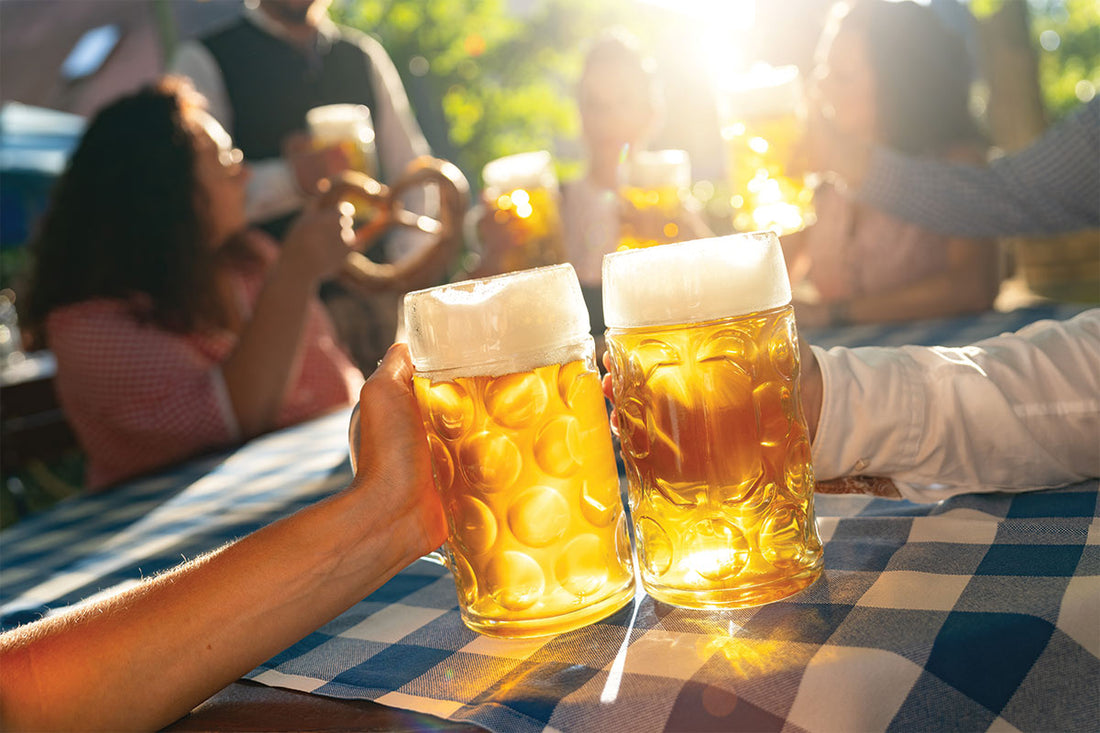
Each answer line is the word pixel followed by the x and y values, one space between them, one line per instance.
pixel 176 329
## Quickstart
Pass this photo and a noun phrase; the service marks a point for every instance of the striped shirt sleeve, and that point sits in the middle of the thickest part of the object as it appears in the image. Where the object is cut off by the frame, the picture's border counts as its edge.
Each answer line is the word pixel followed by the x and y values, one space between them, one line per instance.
pixel 1051 187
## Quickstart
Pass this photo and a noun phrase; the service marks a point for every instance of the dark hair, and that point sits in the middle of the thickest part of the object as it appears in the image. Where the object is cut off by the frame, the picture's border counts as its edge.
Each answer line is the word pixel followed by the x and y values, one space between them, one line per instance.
pixel 126 218
pixel 923 75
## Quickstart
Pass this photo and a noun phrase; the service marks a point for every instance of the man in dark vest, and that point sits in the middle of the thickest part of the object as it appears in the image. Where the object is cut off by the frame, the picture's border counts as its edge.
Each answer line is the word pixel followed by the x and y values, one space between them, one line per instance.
pixel 260 75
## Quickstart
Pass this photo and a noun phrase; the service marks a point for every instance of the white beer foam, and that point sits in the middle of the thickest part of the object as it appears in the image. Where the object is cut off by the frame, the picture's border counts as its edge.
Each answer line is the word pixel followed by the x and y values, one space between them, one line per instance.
pixel 762 92
pixel 656 168
pixel 499 325
pixel 334 123
pixel 696 281
pixel 522 170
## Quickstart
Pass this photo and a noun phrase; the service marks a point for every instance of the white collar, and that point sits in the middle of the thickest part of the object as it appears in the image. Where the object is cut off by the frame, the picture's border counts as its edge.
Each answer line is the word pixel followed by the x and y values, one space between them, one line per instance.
pixel 326 29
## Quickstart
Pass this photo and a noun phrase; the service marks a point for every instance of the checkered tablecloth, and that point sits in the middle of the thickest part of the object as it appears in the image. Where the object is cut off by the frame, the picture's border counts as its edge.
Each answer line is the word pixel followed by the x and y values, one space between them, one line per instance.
pixel 977 613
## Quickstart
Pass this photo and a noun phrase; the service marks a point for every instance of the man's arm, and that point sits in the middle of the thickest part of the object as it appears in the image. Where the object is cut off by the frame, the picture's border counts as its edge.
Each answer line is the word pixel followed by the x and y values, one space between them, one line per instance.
pixel 1053 186
pixel 1015 412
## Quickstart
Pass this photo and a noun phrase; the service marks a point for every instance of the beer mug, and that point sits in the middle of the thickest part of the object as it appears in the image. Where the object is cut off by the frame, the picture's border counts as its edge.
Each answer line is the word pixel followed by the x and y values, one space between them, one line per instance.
pixel 704 372
pixel 521 450
pixel 522 195
pixel 349 128
pixel 656 184
pixel 763 120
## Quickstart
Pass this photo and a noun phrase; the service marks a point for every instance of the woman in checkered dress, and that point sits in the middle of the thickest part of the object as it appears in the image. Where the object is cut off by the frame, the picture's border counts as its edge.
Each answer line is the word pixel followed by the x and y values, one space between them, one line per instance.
pixel 176 328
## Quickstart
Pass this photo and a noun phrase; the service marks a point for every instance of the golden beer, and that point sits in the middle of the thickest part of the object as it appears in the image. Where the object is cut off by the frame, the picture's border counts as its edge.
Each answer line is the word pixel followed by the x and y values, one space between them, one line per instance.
pixel 522 195
pixel 656 186
pixel 715 444
pixel 763 124
pixel 521 452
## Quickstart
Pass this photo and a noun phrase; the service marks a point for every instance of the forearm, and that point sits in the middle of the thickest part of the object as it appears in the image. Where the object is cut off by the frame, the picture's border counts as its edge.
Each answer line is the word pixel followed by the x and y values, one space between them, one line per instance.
pixel 1012 413
pixel 145 658
pixel 267 354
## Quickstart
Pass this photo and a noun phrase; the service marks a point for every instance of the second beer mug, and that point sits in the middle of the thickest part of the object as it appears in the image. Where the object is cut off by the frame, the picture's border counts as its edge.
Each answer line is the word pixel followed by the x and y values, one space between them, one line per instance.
pixel 521 450
pixel 704 368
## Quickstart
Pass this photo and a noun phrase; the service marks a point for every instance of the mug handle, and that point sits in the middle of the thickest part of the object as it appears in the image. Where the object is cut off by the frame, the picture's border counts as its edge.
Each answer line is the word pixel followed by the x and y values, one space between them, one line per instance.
pixel 438 556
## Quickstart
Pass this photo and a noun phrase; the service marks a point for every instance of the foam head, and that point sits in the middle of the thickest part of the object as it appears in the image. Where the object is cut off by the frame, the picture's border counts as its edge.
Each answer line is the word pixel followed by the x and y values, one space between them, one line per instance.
pixel 334 123
pixel 696 281
pixel 657 168
pixel 522 170
pixel 500 325
pixel 765 91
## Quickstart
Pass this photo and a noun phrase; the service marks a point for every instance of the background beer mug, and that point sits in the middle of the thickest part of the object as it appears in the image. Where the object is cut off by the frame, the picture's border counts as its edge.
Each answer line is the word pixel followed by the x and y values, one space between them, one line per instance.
pixel 763 120
pixel 521 451
pixel 656 183
pixel 522 195
pixel 704 369
pixel 348 127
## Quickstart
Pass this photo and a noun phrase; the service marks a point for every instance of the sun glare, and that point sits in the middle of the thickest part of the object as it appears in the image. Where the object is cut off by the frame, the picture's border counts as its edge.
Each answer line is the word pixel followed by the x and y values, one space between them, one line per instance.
pixel 719 29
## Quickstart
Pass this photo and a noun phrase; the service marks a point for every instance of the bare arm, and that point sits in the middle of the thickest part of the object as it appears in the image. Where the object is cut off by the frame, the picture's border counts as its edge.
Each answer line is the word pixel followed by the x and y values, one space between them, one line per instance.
pixel 102 667
pixel 268 353
pixel 969 284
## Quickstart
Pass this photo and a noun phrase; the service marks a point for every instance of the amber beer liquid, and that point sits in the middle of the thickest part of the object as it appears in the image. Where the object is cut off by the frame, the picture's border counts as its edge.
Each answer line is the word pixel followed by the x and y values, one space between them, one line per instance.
pixel 763 122
pixel 522 194
pixel 704 372
pixel 521 452
pixel 656 184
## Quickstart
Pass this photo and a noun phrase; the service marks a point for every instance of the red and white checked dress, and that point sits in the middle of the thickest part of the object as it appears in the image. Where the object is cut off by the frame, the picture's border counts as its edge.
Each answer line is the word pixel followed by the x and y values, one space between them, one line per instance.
pixel 140 397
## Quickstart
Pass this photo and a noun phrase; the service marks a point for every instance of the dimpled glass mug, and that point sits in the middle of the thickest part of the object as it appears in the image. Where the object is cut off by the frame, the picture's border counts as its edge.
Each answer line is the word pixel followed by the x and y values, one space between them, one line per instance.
pixel 521 451
pixel 704 371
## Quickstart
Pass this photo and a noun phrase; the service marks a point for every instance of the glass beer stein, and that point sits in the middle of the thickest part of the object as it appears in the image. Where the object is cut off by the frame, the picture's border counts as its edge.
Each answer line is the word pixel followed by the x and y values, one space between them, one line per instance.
pixel 348 127
pixel 522 194
pixel 763 119
pixel 704 369
pixel 656 184
pixel 521 451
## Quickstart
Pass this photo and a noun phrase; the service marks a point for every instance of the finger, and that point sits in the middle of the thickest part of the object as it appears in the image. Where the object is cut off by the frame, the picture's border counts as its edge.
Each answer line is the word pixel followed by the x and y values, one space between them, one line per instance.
pixel 395 366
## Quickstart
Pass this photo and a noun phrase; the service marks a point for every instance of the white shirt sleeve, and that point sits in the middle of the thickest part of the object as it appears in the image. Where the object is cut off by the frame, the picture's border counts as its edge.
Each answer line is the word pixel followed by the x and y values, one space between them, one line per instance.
pixel 399 141
pixel 272 190
pixel 1016 412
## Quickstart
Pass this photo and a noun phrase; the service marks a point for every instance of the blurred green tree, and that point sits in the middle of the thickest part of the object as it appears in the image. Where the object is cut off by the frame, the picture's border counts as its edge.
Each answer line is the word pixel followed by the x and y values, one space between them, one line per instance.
pixel 486 80
pixel 1066 37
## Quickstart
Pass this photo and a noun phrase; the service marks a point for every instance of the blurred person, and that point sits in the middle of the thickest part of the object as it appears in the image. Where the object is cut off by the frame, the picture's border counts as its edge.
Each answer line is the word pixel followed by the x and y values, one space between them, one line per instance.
pixel 1050 187
pixel 176 328
pixel 890 74
pixel 620 107
pixel 261 74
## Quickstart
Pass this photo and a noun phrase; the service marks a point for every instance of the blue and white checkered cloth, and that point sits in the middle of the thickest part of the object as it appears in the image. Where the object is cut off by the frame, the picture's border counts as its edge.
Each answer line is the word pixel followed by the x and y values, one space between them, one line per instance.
pixel 981 612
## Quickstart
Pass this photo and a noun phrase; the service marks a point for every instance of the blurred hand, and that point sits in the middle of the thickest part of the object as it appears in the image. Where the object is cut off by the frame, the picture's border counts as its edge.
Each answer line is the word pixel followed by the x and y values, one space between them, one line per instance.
pixel 309 165
pixel 319 240
pixel 497 238
pixel 826 150
pixel 393 456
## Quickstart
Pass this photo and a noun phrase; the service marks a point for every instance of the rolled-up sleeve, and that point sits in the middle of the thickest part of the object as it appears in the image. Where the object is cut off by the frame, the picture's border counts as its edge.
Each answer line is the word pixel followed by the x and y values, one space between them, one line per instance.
pixel 1020 411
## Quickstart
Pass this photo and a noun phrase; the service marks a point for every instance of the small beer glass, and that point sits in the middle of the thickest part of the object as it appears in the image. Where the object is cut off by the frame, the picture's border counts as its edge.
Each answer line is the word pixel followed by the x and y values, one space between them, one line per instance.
pixel 656 184
pixel 704 371
pixel 521 450
pixel 763 119
pixel 522 194
pixel 348 127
